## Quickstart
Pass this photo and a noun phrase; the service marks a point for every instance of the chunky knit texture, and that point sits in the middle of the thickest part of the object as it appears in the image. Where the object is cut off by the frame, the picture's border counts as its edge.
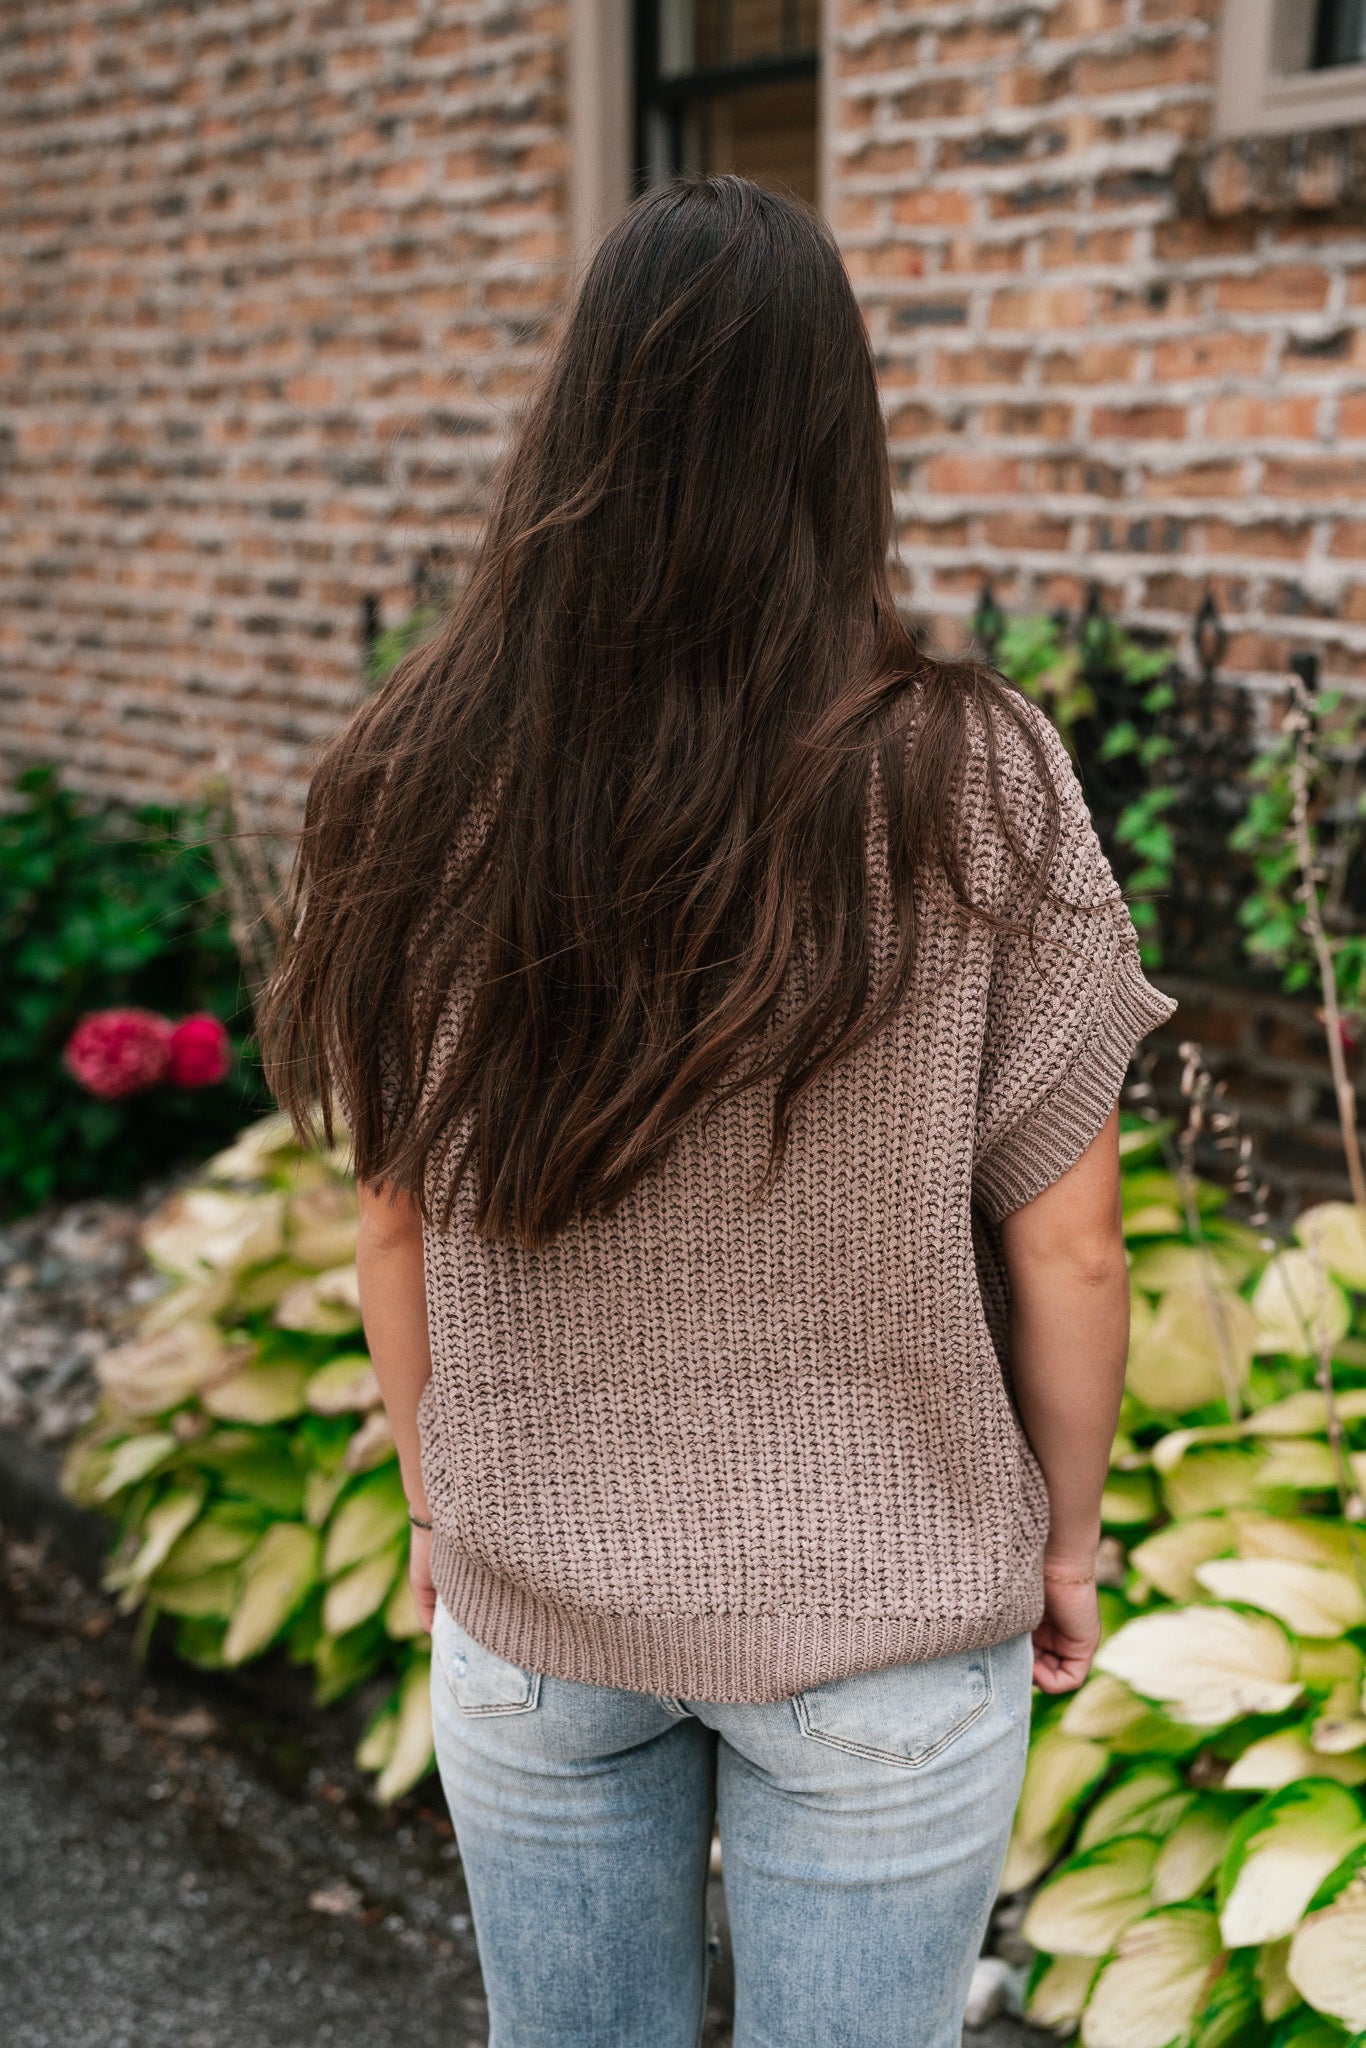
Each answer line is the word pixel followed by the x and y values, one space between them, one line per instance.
pixel 725 1444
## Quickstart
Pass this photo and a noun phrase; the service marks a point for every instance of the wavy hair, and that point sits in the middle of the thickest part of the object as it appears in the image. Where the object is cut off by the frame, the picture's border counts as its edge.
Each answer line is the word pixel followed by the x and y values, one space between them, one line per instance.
pixel 620 801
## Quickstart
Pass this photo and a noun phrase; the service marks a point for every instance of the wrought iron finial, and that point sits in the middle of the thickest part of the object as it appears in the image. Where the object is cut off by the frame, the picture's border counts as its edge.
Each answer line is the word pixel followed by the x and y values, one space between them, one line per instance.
pixel 1211 641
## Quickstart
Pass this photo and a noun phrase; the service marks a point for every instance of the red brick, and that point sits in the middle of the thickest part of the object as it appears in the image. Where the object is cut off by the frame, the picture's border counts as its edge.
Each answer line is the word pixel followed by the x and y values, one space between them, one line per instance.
pixel 969 475
pixel 1245 418
pixel 1042 307
pixel 1295 288
pixel 1027 531
pixel 1313 477
pixel 959 367
pixel 1210 355
pixel 932 207
pixel 1263 539
pixel 1139 422
pixel 1043 421
pixel 1105 363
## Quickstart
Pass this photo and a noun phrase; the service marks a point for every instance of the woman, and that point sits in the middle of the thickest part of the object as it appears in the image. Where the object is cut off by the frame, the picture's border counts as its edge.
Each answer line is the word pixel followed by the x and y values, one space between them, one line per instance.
pixel 729 1006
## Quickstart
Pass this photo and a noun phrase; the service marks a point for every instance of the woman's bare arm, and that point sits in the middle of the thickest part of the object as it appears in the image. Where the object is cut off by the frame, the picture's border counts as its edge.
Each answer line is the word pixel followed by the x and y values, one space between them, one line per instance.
pixel 393 1299
pixel 1069 1337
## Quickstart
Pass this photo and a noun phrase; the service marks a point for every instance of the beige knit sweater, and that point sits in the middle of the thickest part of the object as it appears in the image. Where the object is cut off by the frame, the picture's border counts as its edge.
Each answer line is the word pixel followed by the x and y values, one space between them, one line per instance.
pixel 725 1447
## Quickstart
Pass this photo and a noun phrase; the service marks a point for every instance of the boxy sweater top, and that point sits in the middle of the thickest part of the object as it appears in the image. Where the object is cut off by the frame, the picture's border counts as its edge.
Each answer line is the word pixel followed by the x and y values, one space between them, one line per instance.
pixel 727 1443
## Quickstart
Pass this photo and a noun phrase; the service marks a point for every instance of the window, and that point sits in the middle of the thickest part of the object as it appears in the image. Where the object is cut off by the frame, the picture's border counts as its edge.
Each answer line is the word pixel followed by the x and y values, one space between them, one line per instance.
pixel 1288 66
pixel 728 85
pixel 1340 33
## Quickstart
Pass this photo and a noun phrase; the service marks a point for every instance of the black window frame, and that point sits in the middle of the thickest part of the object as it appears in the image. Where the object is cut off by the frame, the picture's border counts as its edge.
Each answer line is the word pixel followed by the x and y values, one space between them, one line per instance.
pixel 672 94
pixel 1327 28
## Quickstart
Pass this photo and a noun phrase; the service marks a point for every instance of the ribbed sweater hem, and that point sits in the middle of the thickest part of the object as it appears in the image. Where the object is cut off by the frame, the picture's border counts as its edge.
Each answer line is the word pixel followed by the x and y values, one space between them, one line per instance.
pixel 725 1659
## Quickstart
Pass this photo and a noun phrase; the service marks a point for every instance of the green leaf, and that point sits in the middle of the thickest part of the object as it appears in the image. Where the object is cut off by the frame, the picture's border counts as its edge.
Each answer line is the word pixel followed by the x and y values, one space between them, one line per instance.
pixel 1279 1854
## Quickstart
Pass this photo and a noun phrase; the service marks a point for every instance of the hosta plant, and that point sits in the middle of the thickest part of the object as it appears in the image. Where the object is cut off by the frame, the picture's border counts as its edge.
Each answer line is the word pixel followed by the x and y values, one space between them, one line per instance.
pixel 1193 1828
pixel 242 1449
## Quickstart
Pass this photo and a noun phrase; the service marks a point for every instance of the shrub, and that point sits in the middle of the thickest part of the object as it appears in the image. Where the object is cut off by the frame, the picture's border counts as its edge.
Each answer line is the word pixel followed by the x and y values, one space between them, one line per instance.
pixel 100 909
pixel 243 1450
pixel 1195 1811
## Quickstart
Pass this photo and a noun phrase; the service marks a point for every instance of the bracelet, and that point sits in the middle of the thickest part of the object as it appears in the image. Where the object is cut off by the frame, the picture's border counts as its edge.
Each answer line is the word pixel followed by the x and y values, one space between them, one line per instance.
pixel 417 1521
pixel 1068 1579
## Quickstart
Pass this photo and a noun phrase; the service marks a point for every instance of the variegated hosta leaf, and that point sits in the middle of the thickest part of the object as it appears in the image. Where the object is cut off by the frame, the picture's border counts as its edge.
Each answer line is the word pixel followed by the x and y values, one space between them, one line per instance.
pixel 277 1578
pixel 151 1374
pixel 259 1393
pixel 360 1592
pixel 411 1755
pixel 320 1494
pixel 1303 1413
pixel 322 1221
pixel 1203 1481
pixel 1085 1907
pixel 187 1301
pixel 1192 1852
pixel 345 1385
pixel 1060 1771
pixel 1286 1757
pixel 1057 1992
pixel 1337 1231
pixel 222 1536
pixel 1151 1989
pixel 1327 1962
pixel 373 1515
pixel 1149 1799
pixel 1311 1541
pixel 372 1445
pixel 135 1459
pixel 165 1523
pixel 1278 1994
pixel 1104 1707
pixel 376 1746
pixel 1129 1500
pixel 401 1620
pixel 1168 1559
pixel 1278 1857
pixel 327 1306
pixel 209 1230
pixel 1194 1267
pixel 1337 1734
pixel 1297 1464
pixel 1308 1598
pixel 1196 1349
pixel 1208 1664
pixel 256 1152
pixel 1298 1307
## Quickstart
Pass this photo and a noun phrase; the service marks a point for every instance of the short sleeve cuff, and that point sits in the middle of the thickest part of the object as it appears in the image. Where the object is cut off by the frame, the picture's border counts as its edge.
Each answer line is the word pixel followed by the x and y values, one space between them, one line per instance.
pixel 1041 1144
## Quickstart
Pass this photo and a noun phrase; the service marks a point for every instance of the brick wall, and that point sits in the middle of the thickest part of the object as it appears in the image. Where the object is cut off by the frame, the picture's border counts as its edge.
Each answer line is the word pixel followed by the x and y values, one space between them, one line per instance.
pixel 1110 350
pixel 271 275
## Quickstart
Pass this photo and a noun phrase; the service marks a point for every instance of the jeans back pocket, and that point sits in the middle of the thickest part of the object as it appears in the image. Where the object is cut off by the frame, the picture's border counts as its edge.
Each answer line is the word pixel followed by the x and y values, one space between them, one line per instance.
pixel 904 1714
pixel 478 1680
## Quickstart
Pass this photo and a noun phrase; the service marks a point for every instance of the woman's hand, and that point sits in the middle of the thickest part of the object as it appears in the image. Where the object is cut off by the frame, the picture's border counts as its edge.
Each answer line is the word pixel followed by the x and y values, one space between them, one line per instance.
pixel 1067 1638
pixel 420 1574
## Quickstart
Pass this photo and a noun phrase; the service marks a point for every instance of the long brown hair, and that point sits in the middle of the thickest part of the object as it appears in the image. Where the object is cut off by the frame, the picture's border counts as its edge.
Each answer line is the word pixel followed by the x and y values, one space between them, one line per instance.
pixel 621 799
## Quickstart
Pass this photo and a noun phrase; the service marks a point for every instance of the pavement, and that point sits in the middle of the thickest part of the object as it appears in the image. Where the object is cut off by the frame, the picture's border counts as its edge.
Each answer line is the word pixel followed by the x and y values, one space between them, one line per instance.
pixel 193 1861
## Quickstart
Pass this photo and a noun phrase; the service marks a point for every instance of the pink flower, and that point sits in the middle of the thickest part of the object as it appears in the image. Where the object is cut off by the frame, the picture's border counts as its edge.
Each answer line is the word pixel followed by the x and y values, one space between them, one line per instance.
pixel 119 1052
pixel 200 1053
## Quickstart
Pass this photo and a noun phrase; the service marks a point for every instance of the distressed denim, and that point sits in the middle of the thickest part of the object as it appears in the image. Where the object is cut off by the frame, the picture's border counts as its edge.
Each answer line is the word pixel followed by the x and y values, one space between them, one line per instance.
pixel 863 1827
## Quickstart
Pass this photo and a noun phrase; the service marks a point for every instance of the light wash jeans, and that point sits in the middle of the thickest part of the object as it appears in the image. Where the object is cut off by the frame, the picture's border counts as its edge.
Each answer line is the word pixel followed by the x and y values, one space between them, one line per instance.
pixel 863 1827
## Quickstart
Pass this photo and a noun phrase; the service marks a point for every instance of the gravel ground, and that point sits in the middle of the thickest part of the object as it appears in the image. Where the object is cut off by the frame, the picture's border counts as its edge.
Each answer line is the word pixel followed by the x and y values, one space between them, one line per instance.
pixel 72 1280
